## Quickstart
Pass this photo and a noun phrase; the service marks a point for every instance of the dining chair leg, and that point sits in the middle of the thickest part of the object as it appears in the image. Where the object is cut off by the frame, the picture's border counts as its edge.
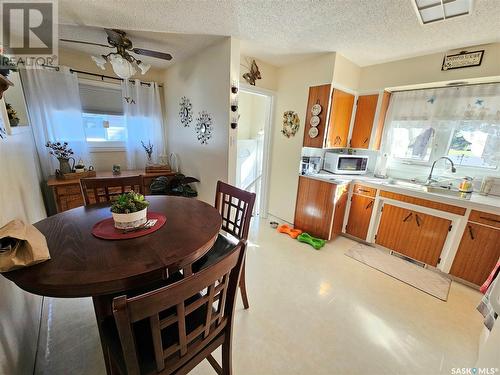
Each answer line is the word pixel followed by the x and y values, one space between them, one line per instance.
pixel 243 288
pixel 100 309
pixel 227 364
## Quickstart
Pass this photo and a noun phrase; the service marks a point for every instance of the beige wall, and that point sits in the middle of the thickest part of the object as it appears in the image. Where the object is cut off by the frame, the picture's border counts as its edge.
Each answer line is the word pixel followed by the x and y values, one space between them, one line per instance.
pixel 292 93
pixel 204 78
pixel 346 74
pixel 427 69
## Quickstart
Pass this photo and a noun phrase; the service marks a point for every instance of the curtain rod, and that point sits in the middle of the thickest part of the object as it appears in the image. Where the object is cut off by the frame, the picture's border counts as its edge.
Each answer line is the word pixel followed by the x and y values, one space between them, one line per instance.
pixel 102 76
pixel 447 86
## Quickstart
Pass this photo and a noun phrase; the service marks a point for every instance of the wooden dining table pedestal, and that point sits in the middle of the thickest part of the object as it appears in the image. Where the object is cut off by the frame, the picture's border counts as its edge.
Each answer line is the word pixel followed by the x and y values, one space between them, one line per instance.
pixel 82 265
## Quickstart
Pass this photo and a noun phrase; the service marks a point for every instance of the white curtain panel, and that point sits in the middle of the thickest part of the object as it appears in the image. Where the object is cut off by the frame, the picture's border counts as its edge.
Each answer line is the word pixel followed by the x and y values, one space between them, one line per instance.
pixel 143 117
pixel 55 111
pixel 438 112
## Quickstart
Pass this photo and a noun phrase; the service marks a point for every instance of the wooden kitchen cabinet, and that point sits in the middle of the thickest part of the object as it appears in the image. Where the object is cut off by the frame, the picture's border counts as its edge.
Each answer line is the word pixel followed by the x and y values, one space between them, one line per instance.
pixel 341 107
pixel 320 207
pixel 363 121
pixel 414 234
pixel 477 254
pixel 360 214
pixel 317 95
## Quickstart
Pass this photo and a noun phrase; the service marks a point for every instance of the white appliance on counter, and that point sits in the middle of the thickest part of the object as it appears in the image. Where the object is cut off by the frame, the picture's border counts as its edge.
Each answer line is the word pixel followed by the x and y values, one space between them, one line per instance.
pixel 345 164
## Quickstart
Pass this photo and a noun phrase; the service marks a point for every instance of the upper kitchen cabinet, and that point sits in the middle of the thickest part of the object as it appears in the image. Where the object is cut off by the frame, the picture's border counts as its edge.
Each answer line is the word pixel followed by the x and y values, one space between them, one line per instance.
pixel 317 95
pixel 341 107
pixel 363 122
pixel 366 123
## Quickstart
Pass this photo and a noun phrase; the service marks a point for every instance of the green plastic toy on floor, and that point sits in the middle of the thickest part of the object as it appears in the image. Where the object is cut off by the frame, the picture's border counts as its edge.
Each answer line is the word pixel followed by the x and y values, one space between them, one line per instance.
pixel 317 243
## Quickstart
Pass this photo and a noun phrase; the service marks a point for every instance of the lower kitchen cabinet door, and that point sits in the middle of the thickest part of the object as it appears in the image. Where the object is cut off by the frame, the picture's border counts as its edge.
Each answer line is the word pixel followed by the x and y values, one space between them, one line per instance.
pixel 359 216
pixel 414 234
pixel 315 207
pixel 477 253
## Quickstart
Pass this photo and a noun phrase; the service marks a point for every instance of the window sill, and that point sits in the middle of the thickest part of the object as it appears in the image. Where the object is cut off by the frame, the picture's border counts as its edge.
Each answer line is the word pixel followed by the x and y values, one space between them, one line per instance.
pixel 106 147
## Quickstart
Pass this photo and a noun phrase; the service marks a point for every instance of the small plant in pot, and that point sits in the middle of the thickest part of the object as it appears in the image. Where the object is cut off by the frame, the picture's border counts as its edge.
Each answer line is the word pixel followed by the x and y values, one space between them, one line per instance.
pixel 129 210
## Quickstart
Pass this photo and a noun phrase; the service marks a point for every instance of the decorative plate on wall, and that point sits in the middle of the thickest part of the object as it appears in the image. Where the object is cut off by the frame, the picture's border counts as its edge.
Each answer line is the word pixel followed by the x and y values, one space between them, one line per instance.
pixel 314 121
pixel 316 109
pixel 313 132
pixel 204 127
pixel 291 123
pixel 186 111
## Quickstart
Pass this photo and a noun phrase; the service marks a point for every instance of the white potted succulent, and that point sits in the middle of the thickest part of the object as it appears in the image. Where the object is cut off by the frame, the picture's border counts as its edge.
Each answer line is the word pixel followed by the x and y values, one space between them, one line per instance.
pixel 129 210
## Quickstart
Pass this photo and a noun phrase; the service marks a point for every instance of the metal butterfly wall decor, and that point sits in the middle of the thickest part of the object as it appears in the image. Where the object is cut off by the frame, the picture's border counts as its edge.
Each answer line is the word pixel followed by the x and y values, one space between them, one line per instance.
pixel 253 74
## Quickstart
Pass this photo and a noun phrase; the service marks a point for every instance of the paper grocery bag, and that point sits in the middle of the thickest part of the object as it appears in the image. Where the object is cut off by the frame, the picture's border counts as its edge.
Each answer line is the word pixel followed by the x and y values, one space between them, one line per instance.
pixel 21 245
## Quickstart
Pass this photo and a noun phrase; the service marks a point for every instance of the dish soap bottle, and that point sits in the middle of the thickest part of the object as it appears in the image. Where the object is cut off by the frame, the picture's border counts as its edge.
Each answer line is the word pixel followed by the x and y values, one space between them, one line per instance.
pixel 466 188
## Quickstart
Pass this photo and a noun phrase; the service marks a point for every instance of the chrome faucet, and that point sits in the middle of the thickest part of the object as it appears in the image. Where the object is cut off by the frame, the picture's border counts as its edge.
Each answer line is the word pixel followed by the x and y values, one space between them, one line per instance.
pixel 430 180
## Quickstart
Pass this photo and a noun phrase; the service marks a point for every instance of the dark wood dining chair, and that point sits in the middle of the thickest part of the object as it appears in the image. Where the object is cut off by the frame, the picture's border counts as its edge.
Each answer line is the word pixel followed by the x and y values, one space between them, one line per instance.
pixel 171 329
pixel 235 206
pixel 96 190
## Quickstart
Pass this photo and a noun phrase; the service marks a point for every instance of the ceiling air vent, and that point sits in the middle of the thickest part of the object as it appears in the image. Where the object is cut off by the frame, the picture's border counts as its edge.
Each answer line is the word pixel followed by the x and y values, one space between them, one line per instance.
pixel 429 11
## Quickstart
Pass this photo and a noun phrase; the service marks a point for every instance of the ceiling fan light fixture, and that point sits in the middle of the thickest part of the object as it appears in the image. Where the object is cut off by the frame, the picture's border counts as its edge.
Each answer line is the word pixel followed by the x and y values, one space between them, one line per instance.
pixel 122 68
pixel 144 67
pixel 100 61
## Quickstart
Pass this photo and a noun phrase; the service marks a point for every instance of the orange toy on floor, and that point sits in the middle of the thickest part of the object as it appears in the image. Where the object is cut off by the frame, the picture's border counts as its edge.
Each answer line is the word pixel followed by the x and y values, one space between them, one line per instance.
pixel 288 230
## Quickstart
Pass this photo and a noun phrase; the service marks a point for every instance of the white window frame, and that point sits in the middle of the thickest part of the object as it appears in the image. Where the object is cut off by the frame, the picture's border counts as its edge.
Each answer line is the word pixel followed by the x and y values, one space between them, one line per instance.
pixel 104 146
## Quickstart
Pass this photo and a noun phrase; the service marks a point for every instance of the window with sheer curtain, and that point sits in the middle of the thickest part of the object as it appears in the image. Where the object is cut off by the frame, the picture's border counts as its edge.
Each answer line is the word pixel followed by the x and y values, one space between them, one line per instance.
pixel 462 123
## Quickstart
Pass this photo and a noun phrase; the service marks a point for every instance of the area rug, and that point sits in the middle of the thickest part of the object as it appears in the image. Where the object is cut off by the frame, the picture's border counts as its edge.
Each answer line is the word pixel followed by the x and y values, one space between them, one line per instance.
pixel 426 280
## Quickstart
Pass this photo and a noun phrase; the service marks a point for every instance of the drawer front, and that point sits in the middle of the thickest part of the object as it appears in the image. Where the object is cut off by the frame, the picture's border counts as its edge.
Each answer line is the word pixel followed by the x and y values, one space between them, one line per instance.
pixel 364 190
pixel 485 218
pixel 68 189
pixel 423 202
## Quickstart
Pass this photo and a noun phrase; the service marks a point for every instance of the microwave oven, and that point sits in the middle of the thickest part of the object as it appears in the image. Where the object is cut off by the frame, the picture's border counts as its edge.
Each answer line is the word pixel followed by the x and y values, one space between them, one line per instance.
pixel 345 164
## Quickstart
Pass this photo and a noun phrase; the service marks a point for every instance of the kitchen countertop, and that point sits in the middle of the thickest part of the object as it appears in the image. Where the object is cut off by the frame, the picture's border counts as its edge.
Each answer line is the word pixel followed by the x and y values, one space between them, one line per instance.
pixel 477 201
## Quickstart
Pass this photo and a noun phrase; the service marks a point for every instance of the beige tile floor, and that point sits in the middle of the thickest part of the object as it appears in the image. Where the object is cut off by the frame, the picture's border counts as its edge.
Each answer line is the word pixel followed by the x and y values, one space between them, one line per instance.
pixel 312 312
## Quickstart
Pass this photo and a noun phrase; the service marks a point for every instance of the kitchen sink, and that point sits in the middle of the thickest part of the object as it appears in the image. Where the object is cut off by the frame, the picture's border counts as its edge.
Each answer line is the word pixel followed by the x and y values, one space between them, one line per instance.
pixel 444 191
pixel 406 184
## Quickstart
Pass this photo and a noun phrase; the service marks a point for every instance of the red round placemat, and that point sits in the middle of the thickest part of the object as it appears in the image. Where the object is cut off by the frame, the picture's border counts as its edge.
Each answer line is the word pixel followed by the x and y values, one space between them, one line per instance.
pixel 106 230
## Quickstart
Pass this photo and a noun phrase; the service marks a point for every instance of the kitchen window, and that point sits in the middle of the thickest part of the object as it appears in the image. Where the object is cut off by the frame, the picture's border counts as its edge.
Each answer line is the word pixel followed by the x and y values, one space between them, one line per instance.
pixel 462 123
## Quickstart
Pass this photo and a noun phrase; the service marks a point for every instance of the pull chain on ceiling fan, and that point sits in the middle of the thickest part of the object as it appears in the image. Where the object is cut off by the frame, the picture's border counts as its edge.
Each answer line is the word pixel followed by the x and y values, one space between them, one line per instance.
pixel 124 64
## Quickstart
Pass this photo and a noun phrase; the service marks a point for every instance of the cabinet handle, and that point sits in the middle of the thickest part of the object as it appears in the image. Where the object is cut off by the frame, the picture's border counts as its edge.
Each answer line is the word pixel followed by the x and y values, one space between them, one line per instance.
pixel 366 140
pixel 471 233
pixel 407 217
pixel 417 219
pixel 489 219
pixel 369 205
pixel 364 190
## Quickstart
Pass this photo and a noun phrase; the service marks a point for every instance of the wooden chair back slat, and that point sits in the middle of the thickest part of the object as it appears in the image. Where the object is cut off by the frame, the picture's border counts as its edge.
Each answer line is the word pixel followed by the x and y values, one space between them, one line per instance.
pixel 216 283
pixel 235 206
pixel 105 189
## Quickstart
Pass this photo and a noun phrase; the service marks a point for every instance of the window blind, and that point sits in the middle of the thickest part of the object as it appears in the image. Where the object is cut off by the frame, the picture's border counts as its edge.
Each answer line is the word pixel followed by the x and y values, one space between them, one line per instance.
pixel 102 100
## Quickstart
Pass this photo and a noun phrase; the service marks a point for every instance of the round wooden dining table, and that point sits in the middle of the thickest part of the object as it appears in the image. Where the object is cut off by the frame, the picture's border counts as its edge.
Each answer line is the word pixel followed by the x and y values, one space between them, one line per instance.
pixel 82 265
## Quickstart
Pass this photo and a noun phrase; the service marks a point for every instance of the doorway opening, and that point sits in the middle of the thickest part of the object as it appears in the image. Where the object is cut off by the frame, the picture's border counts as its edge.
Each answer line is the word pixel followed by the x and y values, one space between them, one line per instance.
pixel 253 145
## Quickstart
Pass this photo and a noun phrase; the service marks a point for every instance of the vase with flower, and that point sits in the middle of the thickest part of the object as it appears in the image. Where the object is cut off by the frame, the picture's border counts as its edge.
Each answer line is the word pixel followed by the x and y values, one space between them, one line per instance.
pixel 62 152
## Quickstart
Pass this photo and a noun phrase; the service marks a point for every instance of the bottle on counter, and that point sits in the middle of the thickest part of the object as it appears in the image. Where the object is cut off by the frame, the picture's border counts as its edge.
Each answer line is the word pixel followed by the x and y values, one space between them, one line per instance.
pixel 466 188
pixel 486 185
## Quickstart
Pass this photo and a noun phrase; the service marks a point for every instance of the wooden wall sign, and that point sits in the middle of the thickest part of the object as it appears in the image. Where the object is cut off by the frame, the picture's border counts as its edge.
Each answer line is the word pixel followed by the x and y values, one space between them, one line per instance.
pixel 463 59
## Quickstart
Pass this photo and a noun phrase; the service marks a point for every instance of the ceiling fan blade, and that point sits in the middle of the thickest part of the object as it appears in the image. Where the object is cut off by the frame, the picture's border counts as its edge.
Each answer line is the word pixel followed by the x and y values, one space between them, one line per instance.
pixel 89 43
pixel 147 52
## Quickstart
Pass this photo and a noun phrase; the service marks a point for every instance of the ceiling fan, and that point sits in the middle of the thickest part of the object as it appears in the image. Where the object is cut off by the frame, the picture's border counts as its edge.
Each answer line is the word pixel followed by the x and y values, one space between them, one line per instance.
pixel 122 61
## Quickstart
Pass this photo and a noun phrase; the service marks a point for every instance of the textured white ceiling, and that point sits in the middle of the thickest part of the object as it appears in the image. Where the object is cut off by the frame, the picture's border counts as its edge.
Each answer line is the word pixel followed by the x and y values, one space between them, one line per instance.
pixel 178 45
pixel 282 31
